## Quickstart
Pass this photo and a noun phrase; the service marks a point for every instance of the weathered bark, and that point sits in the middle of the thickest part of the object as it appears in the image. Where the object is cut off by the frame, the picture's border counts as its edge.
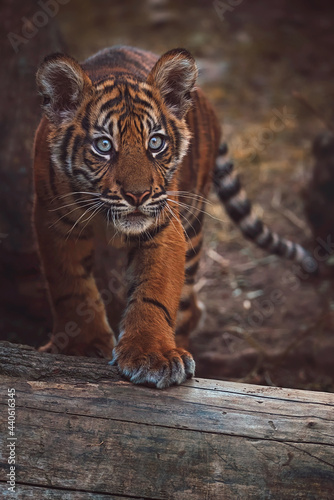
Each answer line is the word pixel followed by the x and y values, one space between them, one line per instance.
pixel 82 432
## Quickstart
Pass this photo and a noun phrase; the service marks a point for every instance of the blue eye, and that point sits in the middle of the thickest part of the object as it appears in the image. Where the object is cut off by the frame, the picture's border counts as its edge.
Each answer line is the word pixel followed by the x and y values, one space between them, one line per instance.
pixel 103 145
pixel 156 143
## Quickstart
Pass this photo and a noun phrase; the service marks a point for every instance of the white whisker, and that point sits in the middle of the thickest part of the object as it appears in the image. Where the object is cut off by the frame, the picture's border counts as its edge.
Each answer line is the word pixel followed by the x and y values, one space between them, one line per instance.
pixel 90 218
pixel 190 207
pixel 88 204
pixel 186 194
pixel 174 216
pixel 78 202
pixel 73 193
pixel 83 215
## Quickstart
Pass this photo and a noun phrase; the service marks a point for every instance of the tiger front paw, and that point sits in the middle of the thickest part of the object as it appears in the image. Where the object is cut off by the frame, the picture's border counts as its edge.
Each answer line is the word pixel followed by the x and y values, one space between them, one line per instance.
pixel 95 348
pixel 158 369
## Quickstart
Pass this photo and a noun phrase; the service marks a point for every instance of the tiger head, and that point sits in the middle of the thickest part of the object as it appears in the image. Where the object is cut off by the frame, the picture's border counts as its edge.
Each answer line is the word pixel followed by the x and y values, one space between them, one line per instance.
pixel 120 139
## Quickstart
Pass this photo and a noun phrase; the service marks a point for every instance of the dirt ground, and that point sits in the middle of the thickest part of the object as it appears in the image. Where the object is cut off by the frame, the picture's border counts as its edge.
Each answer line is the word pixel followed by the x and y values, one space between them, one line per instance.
pixel 264 322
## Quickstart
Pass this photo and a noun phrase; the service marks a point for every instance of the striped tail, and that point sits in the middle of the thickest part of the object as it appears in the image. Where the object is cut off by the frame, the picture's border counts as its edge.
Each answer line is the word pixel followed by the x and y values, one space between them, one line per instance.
pixel 239 209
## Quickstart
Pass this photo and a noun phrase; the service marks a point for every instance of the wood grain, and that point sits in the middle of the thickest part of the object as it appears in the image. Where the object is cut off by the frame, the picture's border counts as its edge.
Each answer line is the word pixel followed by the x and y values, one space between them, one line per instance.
pixel 97 436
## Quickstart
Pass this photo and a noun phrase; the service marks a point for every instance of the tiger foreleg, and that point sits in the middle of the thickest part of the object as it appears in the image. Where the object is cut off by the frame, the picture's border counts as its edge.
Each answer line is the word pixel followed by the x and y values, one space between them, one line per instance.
pixel 80 324
pixel 190 309
pixel 146 352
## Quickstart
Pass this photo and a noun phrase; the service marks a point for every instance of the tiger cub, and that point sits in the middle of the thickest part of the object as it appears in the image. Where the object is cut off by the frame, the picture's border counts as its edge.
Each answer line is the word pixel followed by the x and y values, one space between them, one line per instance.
pixel 123 136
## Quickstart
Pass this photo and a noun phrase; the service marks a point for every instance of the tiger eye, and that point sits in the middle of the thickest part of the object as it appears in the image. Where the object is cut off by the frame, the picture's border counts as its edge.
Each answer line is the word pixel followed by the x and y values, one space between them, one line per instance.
pixel 156 143
pixel 103 144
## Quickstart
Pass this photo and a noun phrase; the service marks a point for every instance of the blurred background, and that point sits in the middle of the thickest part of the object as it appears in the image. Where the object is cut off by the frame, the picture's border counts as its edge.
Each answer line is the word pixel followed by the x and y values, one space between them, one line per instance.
pixel 268 69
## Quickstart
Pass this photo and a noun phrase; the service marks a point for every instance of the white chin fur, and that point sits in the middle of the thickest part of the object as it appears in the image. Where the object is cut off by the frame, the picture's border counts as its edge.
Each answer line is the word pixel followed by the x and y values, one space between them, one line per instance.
pixel 133 226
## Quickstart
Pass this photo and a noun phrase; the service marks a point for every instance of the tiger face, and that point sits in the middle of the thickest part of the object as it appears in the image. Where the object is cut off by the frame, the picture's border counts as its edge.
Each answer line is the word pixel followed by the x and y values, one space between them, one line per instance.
pixel 120 139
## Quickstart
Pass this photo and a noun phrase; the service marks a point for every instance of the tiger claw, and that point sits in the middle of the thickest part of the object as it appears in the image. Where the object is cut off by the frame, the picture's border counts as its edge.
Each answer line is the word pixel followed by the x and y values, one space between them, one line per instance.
pixel 159 370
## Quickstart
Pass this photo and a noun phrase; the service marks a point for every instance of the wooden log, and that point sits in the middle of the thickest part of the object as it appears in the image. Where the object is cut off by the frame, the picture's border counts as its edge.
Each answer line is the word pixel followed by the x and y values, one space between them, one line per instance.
pixel 84 433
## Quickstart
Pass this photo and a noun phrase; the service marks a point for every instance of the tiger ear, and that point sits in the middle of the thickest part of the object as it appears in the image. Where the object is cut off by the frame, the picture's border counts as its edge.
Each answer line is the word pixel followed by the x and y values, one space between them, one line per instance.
pixel 174 74
pixel 63 84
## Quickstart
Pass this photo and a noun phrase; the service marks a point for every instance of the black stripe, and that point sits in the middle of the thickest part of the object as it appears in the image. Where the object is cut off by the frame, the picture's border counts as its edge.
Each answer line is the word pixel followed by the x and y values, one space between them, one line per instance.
pixel 121 118
pixel 238 209
pixel 189 280
pixel 103 80
pixel 112 197
pixel 134 287
pixel 131 301
pixel 106 119
pixel 222 170
pixel 134 86
pixel 92 167
pixel 163 153
pixel 88 162
pixel 108 88
pixel 170 171
pixel 65 143
pixel 160 306
pixel 85 122
pixel 75 148
pixel 81 171
pixel 151 117
pixel 280 248
pixel 192 252
pixel 149 123
pixel 223 149
pixel 191 271
pixel 194 226
pixel 157 195
pixel 228 190
pixel 111 103
pixel 99 177
pixel 138 100
pixel 177 137
pixel 147 92
pixel 101 129
pixel 135 122
pixel 266 241
pixel 252 231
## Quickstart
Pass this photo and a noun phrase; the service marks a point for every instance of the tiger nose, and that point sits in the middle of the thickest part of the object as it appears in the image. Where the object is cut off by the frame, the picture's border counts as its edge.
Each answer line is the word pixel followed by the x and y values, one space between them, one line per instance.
pixel 136 199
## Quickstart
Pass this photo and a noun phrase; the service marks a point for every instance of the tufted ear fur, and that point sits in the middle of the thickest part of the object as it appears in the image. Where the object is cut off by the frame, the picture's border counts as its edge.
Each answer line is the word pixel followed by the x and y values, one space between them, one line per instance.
pixel 174 74
pixel 63 84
